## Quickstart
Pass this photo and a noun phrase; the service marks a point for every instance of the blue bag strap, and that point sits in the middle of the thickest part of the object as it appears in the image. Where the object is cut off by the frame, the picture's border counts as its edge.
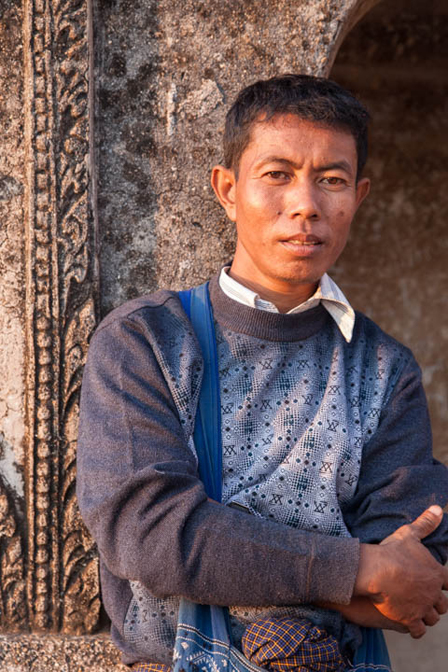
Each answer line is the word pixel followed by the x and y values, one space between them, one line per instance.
pixel 207 430
pixel 204 630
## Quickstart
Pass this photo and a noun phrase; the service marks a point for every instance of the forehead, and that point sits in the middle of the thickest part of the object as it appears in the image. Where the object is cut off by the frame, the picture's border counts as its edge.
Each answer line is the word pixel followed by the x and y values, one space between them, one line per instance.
pixel 291 136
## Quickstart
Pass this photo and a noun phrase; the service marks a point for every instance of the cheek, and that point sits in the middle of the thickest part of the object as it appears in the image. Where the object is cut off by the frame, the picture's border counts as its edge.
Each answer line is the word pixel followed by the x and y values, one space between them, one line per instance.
pixel 341 210
pixel 343 217
pixel 257 208
pixel 250 204
pixel 340 222
pixel 341 228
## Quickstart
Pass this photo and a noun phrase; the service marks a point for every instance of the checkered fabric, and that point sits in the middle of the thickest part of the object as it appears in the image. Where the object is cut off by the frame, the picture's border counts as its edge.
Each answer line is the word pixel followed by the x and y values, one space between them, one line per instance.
pixel 150 667
pixel 282 645
pixel 292 645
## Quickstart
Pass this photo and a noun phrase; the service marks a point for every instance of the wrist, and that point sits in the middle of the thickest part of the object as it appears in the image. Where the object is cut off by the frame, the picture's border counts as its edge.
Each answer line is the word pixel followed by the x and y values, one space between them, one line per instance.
pixel 366 578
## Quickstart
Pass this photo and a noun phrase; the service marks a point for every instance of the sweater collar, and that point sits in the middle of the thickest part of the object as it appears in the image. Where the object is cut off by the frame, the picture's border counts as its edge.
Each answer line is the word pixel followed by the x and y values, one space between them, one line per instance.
pixel 272 326
pixel 327 293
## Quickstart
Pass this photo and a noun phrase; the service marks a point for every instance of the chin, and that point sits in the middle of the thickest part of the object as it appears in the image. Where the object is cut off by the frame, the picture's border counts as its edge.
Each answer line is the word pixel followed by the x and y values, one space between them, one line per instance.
pixel 298 277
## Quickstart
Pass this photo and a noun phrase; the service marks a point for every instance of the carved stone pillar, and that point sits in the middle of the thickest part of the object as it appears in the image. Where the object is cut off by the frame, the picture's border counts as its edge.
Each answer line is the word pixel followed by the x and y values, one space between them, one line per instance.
pixel 61 299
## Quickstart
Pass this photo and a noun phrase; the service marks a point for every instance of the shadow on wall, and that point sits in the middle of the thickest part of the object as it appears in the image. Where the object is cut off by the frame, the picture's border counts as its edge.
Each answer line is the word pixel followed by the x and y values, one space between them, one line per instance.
pixel 395 266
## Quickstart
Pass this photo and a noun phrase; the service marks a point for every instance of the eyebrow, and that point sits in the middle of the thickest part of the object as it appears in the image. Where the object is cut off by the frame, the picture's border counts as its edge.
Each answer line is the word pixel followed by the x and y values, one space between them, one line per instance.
pixel 335 165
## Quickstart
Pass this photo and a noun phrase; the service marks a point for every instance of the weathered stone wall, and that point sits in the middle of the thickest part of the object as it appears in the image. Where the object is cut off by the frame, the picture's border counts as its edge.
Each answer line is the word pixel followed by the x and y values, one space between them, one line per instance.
pixel 12 322
pixel 118 173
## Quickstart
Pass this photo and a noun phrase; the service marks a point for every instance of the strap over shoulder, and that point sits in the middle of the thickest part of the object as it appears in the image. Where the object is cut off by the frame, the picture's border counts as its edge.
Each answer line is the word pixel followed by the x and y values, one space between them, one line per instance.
pixel 207 432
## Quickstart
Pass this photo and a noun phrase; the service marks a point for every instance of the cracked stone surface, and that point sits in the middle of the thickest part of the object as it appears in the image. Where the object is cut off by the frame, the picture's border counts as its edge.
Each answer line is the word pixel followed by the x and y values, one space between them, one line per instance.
pixel 12 282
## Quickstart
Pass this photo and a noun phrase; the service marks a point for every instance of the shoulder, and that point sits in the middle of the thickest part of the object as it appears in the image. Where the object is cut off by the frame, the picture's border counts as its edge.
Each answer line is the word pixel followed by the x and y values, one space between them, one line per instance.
pixel 152 325
pixel 369 334
pixel 382 355
pixel 143 308
pixel 154 317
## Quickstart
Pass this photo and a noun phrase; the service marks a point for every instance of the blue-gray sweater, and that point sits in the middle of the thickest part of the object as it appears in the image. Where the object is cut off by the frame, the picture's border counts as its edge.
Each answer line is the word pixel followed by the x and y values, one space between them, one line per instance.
pixel 158 535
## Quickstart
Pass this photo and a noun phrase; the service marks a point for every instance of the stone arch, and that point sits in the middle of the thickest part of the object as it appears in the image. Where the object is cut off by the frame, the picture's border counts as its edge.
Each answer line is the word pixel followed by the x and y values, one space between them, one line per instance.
pixel 354 14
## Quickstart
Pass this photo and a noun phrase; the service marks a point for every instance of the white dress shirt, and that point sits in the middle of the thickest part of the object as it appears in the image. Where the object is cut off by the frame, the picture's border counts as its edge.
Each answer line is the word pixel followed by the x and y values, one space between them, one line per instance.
pixel 327 293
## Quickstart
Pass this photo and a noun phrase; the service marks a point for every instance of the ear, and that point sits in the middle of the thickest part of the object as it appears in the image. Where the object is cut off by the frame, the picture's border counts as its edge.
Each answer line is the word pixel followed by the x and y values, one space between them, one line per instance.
pixel 362 190
pixel 224 183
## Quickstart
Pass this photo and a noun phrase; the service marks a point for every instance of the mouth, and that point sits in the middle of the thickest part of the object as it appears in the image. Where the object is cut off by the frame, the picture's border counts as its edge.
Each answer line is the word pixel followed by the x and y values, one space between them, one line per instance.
pixel 303 245
pixel 303 239
pixel 302 242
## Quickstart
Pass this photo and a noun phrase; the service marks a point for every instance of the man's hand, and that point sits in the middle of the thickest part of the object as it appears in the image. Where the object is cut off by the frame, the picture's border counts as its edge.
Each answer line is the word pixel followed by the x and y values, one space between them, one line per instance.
pixel 362 611
pixel 401 577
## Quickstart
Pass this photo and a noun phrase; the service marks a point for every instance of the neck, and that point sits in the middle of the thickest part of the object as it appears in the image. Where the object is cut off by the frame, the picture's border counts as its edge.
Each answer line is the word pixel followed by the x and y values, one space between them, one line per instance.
pixel 284 301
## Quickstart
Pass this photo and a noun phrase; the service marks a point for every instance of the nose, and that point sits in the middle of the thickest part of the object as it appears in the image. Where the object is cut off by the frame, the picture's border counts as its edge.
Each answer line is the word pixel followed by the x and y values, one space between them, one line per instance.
pixel 302 200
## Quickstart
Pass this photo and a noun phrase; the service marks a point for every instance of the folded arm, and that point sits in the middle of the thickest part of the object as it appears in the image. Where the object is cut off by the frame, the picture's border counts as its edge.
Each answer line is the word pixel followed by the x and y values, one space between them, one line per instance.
pixel 399 584
pixel 399 479
pixel 141 497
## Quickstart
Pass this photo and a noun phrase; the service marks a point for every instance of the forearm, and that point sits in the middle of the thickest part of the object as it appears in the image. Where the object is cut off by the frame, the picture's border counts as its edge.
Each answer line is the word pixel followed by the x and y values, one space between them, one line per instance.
pixel 363 612
pixel 399 477
pixel 210 554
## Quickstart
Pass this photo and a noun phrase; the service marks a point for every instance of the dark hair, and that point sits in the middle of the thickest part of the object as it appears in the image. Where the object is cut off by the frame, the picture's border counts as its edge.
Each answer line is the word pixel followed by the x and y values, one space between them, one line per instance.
pixel 311 98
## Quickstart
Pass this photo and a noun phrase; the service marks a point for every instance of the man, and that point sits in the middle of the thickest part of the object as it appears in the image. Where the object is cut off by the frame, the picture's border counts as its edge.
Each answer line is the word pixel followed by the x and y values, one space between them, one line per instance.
pixel 325 433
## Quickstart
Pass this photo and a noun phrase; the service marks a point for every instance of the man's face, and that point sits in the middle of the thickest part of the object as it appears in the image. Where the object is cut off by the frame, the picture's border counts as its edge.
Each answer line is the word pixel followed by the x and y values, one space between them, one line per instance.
pixel 293 202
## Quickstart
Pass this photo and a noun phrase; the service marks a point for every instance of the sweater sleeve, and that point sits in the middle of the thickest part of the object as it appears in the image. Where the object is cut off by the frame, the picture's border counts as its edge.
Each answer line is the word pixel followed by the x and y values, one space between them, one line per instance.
pixel 399 478
pixel 140 495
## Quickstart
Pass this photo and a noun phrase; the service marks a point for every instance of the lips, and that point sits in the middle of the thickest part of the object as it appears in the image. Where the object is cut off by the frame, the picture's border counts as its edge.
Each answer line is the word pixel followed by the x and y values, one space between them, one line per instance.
pixel 303 245
pixel 303 239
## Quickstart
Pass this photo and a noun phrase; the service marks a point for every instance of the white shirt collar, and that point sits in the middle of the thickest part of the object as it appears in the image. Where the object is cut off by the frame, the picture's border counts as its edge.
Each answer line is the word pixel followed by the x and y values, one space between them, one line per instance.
pixel 327 292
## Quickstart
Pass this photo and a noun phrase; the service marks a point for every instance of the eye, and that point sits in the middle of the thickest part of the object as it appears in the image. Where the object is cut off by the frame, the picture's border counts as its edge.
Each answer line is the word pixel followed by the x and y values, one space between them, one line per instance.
pixel 334 181
pixel 277 175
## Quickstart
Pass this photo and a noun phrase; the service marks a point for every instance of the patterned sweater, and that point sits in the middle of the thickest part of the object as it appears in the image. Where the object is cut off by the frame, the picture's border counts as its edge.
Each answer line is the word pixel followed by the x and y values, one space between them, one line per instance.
pixel 324 443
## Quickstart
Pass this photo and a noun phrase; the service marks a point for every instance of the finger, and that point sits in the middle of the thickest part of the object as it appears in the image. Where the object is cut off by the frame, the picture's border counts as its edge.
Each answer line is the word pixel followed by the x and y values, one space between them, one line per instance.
pixel 431 618
pixel 398 627
pixel 429 521
pixel 417 629
pixel 442 604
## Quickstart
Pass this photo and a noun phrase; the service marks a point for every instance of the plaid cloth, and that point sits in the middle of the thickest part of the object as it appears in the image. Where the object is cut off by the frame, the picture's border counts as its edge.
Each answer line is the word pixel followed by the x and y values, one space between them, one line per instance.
pixel 150 667
pixel 292 645
pixel 282 645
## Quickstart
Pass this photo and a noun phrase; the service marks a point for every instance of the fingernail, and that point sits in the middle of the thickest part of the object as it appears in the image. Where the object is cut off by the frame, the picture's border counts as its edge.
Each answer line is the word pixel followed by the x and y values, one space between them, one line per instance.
pixel 436 510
